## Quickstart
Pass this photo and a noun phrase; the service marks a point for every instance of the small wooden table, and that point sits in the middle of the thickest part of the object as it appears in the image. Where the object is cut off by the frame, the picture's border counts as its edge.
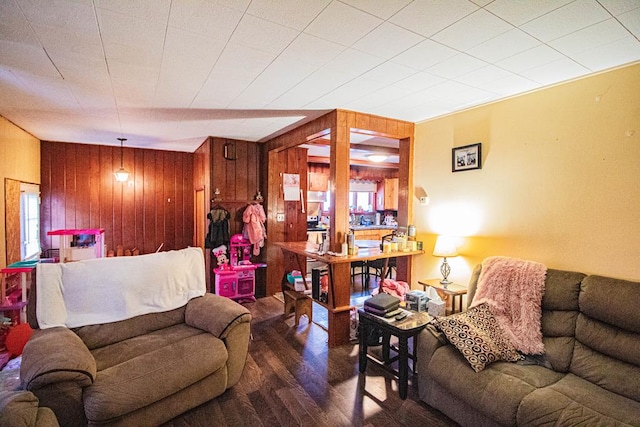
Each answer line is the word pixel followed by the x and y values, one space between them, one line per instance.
pixel 452 290
pixel 409 327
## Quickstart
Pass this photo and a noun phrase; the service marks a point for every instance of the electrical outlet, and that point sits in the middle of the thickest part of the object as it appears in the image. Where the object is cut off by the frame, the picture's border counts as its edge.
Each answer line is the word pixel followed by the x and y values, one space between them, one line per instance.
pixel 280 217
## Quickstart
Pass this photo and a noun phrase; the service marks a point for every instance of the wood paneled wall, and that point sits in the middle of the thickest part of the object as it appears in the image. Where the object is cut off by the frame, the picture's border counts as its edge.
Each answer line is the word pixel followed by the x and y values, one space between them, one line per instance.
pixel 155 207
pixel 237 180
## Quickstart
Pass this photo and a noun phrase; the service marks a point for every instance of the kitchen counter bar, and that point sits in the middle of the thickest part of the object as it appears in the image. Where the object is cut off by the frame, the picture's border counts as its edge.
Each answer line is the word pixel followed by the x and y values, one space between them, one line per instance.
pixel 339 299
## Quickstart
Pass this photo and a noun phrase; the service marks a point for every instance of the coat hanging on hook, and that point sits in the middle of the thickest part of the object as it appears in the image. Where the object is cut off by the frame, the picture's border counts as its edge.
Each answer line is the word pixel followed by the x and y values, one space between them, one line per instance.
pixel 218 228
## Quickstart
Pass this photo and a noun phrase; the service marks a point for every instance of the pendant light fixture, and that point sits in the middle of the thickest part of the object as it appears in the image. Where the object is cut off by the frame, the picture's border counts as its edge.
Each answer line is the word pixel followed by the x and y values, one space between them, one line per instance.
pixel 121 174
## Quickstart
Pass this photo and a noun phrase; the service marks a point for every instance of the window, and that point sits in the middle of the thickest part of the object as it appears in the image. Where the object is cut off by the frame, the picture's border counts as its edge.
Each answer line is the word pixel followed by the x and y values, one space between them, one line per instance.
pixel 29 221
pixel 361 201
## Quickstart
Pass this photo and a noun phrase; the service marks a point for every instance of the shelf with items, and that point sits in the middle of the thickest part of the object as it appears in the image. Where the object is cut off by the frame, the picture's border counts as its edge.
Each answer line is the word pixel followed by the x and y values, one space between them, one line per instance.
pixel 13 287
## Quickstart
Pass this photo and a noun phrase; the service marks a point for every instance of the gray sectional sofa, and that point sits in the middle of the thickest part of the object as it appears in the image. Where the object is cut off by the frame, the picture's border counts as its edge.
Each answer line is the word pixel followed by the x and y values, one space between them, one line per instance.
pixel 589 375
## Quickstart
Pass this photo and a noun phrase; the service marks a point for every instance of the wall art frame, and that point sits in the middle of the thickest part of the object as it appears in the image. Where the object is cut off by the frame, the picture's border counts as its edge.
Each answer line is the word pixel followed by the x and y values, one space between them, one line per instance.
pixel 468 157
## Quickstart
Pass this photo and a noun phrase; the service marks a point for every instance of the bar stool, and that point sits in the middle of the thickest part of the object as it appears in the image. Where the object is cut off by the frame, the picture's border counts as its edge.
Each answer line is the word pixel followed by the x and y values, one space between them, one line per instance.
pixel 364 273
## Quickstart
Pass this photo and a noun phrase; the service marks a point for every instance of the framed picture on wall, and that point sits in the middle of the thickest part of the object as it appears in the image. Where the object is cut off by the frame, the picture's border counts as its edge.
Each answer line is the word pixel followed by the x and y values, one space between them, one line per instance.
pixel 466 158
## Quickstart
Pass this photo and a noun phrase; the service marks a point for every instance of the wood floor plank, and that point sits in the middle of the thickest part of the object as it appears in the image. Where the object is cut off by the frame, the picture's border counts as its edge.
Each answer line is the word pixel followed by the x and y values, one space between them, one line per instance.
pixel 292 378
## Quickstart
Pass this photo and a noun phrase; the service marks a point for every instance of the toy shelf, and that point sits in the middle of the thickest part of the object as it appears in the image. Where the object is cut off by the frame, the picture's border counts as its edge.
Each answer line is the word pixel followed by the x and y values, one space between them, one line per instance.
pixel 79 244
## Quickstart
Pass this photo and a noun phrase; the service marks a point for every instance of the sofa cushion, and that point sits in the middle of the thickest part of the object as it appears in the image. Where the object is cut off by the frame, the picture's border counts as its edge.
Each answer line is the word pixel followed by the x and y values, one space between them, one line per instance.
pixel 158 372
pixel 612 301
pixel 122 351
pixel 562 290
pixel 607 335
pixel 575 401
pixel 478 336
pixel 560 310
pixel 495 391
pixel 95 336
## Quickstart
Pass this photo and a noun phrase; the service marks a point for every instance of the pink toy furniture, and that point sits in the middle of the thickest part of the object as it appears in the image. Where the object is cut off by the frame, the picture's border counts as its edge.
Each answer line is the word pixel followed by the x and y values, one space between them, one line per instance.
pixel 238 281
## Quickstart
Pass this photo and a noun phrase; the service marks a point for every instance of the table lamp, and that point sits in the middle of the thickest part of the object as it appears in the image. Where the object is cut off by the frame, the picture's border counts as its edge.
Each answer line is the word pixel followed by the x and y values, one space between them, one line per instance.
pixel 445 247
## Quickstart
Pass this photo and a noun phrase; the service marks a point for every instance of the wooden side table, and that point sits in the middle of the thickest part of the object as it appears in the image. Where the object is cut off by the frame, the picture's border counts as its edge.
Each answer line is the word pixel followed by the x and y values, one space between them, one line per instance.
pixel 409 327
pixel 452 290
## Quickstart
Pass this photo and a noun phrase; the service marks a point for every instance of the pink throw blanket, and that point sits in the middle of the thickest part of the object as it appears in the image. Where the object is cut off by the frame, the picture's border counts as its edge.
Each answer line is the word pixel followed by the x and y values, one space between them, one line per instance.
pixel 513 289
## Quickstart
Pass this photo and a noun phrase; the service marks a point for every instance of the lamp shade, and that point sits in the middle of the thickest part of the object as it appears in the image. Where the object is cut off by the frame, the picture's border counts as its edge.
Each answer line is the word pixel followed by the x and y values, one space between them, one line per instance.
pixel 121 175
pixel 445 247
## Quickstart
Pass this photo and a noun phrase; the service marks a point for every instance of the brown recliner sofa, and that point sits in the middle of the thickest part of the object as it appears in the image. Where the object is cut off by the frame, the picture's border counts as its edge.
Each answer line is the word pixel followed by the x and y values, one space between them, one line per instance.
pixel 590 374
pixel 142 369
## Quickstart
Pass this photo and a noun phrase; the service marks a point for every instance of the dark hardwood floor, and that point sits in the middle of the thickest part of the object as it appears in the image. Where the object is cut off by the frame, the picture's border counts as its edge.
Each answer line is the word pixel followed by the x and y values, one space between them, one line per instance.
pixel 292 379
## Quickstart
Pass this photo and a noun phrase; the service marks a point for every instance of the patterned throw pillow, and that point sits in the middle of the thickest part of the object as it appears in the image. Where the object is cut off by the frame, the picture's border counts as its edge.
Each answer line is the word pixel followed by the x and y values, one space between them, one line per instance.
pixel 478 336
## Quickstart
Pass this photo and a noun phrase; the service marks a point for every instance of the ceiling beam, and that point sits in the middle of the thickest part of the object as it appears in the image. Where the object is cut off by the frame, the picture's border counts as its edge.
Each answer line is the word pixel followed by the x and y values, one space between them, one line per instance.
pixel 363 163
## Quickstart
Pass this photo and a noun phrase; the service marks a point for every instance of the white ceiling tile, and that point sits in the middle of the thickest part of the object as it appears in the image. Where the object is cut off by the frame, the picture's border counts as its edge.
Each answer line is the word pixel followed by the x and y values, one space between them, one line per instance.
pixel 58 41
pixel 152 10
pixel 555 72
pixel 311 88
pixel 589 38
pixel 280 76
pixel 291 13
pixel 203 17
pixel 218 93
pixel 31 58
pixel 610 55
pixel 425 55
pixel 352 63
pixel 483 75
pixel 631 20
pixel 169 73
pixel 482 3
pixel 59 14
pixel 618 7
pixel 346 93
pixel 263 35
pixel 131 40
pixel 379 97
pixel 510 85
pixel 382 9
pixel 522 11
pixel 241 63
pixel 531 58
pixel 191 53
pixel 567 19
pixel 342 24
pixel 15 94
pixel 456 66
pixel 13 25
pixel 427 17
pixel 503 46
pixel 92 97
pixel 134 93
pixel 449 90
pixel 387 41
pixel 472 30
pixel 240 5
pixel 388 73
pixel 312 49
pixel 420 81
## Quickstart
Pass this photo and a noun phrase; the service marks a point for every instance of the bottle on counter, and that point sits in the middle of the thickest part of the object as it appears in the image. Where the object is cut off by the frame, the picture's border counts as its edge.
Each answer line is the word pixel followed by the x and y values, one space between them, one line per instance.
pixel 351 243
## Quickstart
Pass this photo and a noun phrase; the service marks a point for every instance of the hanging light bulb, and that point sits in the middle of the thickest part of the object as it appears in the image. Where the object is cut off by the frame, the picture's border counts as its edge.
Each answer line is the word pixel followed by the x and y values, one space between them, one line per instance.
pixel 121 174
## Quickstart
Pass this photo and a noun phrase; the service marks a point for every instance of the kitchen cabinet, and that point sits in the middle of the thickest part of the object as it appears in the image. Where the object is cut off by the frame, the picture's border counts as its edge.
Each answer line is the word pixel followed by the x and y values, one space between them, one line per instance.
pixel 318 181
pixel 387 195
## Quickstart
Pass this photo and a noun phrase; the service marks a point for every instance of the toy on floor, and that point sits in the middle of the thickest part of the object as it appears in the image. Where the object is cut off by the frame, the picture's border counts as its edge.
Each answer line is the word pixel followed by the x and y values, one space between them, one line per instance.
pixel 237 279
